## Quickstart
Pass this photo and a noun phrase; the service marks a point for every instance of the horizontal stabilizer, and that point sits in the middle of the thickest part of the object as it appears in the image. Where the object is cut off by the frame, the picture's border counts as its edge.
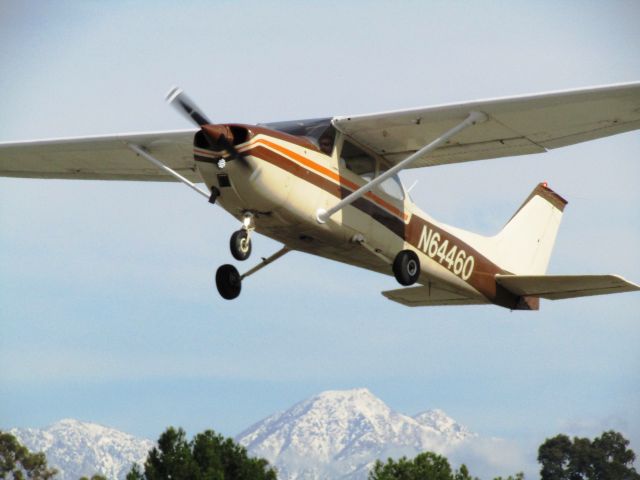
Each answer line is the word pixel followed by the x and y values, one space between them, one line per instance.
pixel 429 296
pixel 556 287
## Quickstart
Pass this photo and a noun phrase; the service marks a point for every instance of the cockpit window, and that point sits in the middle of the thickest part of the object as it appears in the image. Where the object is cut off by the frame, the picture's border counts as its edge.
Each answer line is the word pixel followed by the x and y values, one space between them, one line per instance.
pixel 318 130
pixel 392 186
pixel 358 161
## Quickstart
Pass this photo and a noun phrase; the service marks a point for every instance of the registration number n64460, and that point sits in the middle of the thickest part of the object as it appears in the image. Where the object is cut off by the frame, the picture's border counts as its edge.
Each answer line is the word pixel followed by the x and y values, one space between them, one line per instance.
pixel 446 253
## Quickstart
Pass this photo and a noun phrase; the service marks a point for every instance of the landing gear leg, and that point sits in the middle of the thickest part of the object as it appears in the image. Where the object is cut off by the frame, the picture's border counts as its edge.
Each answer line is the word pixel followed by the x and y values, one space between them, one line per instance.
pixel 240 243
pixel 405 267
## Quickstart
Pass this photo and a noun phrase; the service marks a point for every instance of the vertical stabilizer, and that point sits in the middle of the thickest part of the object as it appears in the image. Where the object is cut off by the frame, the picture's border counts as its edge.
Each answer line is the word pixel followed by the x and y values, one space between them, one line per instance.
pixel 525 243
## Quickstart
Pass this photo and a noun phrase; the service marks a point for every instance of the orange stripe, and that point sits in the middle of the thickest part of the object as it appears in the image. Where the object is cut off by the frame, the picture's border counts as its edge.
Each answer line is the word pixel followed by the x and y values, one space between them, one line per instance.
pixel 334 176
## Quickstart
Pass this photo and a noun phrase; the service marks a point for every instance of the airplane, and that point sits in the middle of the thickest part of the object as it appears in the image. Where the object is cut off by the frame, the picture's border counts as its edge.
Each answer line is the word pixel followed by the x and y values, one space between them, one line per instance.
pixel 330 187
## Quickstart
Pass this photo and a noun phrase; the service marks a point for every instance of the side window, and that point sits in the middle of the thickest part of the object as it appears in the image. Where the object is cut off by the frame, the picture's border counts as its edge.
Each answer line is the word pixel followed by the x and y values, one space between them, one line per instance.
pixel 392 186
pixel 363 164
pixel 358 161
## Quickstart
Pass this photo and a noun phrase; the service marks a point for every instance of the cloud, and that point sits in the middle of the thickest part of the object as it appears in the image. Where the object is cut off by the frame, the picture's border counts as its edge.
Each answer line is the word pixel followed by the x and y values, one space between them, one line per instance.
pixel 490 457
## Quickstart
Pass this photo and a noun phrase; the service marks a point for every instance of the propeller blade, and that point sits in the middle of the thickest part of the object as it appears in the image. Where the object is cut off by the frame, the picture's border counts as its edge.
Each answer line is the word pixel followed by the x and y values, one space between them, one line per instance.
pixel 219 137
pixel 186 106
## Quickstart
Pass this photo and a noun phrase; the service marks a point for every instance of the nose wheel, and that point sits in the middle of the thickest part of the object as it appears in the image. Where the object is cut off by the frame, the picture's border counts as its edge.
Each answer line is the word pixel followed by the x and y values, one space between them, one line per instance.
pixel 240 244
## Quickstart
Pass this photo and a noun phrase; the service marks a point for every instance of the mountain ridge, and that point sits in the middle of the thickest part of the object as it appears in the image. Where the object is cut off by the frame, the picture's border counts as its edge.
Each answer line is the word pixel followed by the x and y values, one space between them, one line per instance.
pixel 78 448
pixel 334 434
pixel 342 433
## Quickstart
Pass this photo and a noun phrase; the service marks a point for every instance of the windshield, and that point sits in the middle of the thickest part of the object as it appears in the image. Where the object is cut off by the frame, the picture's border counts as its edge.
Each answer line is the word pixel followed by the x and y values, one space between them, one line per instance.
pixel 318 130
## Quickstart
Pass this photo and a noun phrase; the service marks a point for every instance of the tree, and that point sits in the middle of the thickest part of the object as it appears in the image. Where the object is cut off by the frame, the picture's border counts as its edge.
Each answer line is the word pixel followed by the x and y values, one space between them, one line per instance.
pixel 606 458
pixel 209 456
pixel 517 476
pixel 16 461
pixel 94 477
pixel 425 466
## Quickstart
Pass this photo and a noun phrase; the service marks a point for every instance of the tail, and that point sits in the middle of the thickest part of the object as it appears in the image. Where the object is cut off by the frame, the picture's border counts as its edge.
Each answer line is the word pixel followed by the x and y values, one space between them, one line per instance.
pixel 525 243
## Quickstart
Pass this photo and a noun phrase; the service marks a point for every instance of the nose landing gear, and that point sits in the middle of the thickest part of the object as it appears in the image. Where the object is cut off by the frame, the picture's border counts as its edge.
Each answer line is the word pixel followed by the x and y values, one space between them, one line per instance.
pixel 240 242
pixel 228 279
pixel 240 245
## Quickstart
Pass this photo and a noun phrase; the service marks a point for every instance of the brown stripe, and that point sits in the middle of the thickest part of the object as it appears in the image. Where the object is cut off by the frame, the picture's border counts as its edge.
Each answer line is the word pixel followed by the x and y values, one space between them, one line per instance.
pixel 334 176
pixel 365 205
pixel 484 271
pixel 300 141
pixel 483 276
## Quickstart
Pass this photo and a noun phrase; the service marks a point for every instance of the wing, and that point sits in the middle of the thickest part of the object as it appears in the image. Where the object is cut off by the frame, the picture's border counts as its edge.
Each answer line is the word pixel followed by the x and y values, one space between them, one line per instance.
pixel 104 157
pixel 430 296
pixel 516 125
pixel 556 287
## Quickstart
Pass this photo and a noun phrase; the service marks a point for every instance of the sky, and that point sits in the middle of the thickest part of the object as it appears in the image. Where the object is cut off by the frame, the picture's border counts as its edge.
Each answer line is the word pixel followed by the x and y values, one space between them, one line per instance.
pixel 108 308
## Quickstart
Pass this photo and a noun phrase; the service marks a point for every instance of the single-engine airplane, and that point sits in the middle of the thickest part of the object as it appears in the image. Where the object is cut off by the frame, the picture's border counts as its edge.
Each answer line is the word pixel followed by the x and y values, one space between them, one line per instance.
pixel 329 187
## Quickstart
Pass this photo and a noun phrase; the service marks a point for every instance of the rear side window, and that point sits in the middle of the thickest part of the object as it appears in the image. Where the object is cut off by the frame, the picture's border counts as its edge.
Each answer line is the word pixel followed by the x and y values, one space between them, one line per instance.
pixel 392 186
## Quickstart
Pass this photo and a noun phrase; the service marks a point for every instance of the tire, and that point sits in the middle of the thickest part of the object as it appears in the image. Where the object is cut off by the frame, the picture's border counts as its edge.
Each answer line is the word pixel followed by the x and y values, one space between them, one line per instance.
pixel 406 267
pixel 228 282
pixel 240 245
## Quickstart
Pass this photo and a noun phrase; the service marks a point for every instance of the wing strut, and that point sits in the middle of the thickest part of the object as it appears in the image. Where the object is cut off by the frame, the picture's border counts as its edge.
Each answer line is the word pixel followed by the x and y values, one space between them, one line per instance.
pixel 474 118
pixel 144 154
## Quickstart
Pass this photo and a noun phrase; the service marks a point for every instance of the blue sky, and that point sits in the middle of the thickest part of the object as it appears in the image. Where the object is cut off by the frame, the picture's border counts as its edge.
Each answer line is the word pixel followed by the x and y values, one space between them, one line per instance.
pixel 108 308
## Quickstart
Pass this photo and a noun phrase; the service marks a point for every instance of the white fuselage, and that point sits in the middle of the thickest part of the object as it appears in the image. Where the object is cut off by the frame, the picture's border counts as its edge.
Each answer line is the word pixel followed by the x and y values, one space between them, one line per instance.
pixel 283 184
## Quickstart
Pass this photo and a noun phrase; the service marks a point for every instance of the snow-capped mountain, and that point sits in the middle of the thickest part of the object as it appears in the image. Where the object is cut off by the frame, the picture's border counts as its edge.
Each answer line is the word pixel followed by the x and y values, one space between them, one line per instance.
pixel 333 435
pixel 340 434
pixel 77 448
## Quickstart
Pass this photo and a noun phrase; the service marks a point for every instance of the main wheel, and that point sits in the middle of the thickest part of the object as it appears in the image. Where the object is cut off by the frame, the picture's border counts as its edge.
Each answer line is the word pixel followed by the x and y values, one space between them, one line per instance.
pixel 240 245
pixel 406 267
pixel 228 282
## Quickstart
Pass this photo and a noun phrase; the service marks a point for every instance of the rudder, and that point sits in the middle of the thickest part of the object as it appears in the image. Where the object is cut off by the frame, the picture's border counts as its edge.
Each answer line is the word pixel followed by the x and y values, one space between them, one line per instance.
pixel 525 243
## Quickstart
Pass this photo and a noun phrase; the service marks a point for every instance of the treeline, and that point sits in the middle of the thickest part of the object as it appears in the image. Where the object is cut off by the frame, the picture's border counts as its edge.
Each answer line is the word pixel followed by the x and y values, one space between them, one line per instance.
pixel 210 456
pixel 607 457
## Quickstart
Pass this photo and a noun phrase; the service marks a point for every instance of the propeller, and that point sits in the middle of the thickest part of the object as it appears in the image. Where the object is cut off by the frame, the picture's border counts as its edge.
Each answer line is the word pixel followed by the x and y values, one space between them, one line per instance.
pixel 219 137
pixel 186 106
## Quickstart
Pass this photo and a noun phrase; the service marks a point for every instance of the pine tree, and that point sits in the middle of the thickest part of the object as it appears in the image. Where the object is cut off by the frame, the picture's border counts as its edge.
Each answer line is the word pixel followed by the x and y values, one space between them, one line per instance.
pixel 425 466
pixel 17 462
pixel 209 456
